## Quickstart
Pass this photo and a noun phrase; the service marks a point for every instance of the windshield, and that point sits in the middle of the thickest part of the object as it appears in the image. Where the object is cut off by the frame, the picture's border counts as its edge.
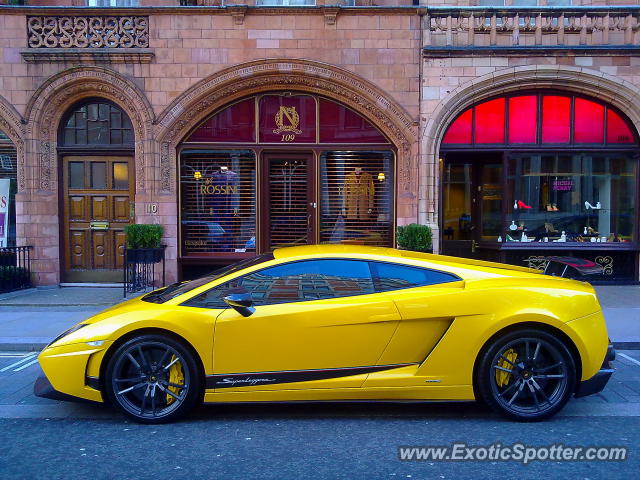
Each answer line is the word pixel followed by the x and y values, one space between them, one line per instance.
pixel 176 289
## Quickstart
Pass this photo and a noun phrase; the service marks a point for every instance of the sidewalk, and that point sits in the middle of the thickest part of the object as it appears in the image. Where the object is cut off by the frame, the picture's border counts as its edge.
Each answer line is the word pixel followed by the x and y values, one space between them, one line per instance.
pixel 29 320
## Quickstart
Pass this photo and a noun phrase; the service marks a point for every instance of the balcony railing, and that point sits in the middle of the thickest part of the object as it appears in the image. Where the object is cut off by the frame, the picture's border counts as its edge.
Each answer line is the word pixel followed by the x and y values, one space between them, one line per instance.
pixel 15 268
pixel 522 26
pixel 80 31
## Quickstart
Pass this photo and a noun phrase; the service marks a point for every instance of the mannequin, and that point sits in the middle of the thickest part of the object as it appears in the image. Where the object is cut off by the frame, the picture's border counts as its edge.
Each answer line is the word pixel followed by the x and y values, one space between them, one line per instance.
pixel 359 195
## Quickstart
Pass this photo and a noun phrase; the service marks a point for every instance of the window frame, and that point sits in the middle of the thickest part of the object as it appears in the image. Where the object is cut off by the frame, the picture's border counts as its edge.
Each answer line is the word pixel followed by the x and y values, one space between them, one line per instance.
pixel 455 278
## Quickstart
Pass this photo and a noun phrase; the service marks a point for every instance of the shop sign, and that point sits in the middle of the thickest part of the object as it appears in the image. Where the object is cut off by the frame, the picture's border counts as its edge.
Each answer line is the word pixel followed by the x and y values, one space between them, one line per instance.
pixel 4 210
pixel 563 185
pixel 287 119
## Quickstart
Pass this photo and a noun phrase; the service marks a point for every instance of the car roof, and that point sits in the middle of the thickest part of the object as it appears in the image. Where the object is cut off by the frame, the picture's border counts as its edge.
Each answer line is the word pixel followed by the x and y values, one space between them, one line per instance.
pixel 346 250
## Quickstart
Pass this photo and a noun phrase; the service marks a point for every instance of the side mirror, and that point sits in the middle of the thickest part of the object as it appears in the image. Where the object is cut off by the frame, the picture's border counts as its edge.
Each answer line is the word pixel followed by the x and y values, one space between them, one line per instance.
pixel 241 303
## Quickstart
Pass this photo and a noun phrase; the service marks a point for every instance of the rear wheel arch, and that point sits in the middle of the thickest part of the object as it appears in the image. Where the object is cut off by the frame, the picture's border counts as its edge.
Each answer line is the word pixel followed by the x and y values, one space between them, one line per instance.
pixel 559 334
pixel 147 331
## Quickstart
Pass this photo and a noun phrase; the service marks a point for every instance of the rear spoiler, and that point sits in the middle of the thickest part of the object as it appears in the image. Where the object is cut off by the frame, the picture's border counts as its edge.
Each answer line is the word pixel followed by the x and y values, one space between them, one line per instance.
pixel 571 267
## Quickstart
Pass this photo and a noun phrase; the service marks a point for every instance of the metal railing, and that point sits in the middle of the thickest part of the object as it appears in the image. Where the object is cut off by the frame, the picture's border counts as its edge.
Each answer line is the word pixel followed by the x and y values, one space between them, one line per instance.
pixel 15 268
pixel 140 269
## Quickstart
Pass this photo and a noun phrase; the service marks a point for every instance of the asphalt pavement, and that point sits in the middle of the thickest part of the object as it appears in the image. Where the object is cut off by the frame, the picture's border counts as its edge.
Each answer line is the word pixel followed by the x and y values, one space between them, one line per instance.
pixel 41 438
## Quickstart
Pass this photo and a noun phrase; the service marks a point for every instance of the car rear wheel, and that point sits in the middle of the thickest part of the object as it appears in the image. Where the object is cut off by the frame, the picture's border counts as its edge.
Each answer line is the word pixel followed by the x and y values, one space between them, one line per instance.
pixel 153 379
pixel 526 375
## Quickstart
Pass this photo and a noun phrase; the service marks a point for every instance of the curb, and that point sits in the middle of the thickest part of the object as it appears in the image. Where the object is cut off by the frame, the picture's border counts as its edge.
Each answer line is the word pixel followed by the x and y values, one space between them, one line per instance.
pixel 23 347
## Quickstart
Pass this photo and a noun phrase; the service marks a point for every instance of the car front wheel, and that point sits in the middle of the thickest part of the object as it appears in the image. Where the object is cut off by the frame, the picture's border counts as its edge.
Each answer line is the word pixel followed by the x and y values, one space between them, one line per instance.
pixel 153 379
pixel 526 375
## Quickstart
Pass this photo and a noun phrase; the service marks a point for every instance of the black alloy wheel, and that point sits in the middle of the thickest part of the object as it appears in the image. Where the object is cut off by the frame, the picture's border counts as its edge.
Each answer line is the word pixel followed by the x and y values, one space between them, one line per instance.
pixel 153 379
pixel 526 375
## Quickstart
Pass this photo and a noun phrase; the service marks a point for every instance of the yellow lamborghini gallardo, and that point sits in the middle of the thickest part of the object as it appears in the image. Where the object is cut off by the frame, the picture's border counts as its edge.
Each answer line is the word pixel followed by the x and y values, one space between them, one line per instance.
pixel 340 323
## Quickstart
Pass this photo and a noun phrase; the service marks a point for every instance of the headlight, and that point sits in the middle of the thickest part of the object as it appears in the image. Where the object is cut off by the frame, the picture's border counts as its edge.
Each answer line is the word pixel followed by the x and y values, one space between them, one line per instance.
pixel 75 328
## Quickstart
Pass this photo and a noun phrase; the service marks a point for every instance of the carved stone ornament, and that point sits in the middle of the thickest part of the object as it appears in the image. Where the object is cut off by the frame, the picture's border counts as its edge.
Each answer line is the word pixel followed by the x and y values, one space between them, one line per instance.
pixel 88 32
pixel 272 75
pixel 12 126
pixel 60 92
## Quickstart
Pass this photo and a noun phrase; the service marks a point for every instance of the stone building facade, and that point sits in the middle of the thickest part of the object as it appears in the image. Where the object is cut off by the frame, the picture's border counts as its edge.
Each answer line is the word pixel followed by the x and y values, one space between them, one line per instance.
pixel 116 113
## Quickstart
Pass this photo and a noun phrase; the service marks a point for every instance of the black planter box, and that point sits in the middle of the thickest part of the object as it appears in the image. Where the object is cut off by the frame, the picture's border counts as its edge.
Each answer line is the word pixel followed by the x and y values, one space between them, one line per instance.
pixel 144 255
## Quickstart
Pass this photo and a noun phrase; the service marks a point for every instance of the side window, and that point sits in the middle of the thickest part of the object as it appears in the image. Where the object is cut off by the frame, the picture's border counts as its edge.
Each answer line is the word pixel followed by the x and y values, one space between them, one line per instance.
pixel 391 276
pixel 309 280
pixel 294 282
pixel 214 298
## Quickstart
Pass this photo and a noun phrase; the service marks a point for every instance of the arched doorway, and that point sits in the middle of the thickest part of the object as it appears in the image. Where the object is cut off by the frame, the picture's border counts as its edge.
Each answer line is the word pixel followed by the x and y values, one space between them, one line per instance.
pixel 96 150
pixel 542 173
pixel 282 169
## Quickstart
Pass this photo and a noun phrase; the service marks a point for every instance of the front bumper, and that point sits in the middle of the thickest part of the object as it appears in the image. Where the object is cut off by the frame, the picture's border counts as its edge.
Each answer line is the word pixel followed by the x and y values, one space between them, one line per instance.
pixel 597 383
pixel 43 388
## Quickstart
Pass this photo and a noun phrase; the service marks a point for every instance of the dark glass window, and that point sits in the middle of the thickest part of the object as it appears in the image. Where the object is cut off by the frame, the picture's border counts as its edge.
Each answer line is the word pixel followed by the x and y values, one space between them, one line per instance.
pixel 356 197
pixel 295 282
pixel 233 124
pixel 218 201
pixel 76 175
pixel 98 175
pixel 391 276
pixel 97 123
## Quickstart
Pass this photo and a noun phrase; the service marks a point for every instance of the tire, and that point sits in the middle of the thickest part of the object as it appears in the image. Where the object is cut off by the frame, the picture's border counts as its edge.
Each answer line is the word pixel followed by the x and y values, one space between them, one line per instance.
pixel 153 379
pixel 526 375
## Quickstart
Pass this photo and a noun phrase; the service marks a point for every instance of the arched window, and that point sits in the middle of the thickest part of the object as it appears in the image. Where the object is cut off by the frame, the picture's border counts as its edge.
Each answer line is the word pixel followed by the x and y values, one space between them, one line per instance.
pixel 96 122
pixel 281 169
pixel 540 119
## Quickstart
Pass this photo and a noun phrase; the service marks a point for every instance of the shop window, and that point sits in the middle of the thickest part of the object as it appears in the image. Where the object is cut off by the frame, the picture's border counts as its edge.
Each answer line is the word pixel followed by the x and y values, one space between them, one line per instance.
pixel 218 201
pixel 287 119
pixel 591 197
pixel 618 130
pixel 235 123
pixel 96 123
pixel 356 197
pixel 490 121
pixel 561 119
pixel 8 188
pixel 523 119
pixel 461 130
pixel 556 119
pixel 589 121
pixel 341 125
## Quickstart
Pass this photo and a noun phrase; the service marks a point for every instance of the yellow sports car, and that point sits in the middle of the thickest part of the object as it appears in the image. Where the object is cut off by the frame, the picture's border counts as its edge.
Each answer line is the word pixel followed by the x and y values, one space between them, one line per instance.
pixel 339 322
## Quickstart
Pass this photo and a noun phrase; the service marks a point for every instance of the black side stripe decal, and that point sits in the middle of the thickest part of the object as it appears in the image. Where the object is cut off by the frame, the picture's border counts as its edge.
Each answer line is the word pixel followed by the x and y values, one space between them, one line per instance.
pixel 229 380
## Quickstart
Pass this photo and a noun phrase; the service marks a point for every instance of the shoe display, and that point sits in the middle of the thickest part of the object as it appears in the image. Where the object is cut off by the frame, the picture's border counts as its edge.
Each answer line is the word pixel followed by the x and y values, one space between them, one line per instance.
pixel 554 208
pixel 521 204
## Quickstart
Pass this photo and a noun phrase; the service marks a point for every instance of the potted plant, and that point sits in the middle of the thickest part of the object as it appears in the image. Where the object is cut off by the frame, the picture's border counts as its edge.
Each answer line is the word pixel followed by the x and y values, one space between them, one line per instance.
pixel 415 237
pixel 143 243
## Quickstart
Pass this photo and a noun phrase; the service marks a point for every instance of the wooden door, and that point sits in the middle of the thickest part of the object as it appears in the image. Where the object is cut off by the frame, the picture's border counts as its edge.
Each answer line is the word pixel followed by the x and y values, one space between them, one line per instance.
pixel 97 194
pixel 290 216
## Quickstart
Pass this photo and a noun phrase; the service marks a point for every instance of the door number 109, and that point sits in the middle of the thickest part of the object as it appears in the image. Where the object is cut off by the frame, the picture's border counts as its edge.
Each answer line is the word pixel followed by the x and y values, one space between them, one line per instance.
pixel 288 137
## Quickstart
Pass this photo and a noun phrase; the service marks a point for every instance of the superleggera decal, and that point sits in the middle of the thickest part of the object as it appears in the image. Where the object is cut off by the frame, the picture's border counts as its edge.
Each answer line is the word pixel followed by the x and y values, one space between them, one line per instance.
pixel 229 380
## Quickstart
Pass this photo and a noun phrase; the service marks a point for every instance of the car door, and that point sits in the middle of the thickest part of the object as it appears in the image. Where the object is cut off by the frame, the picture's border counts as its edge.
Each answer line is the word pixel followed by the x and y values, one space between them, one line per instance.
pixel 317 324
pixel 428 301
